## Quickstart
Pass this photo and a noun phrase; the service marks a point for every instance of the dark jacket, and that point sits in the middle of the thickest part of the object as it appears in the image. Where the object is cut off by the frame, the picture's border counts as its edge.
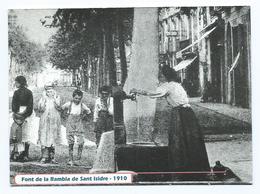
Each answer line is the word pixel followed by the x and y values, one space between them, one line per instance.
pixel 23 97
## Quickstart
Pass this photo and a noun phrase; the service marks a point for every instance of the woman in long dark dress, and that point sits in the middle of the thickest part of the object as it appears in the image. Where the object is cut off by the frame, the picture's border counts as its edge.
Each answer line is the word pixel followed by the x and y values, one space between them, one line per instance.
pixel 187 151
pixel 22 108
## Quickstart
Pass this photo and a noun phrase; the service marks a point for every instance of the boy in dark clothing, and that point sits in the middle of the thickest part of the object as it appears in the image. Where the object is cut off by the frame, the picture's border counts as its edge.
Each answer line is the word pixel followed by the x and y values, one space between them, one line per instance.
pixel 103 113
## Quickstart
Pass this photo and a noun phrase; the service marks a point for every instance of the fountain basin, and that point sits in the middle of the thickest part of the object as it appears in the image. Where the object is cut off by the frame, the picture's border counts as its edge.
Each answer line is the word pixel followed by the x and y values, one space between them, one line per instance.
pixel 142 144
pixel 142 157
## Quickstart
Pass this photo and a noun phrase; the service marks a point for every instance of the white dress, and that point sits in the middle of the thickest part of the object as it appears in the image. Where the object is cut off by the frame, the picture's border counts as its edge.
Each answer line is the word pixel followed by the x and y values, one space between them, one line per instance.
pixel 50 121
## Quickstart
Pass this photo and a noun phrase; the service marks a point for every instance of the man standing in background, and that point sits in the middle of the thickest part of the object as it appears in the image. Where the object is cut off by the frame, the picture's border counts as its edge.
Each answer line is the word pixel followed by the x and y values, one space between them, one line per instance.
pixel 103 113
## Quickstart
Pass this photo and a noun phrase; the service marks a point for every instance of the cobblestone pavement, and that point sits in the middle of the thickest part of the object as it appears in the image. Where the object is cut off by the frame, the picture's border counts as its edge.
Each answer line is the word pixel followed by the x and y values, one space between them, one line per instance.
pixel 242 114
pixel 235 154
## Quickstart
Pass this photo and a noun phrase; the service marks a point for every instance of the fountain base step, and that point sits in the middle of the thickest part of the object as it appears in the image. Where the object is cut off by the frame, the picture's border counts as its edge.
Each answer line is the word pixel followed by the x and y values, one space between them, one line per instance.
pixel 150 163
pixel 142 158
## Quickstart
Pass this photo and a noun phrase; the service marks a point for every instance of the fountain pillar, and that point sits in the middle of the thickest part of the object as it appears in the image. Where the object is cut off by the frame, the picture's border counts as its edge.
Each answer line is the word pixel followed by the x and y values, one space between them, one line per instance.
pixel 142 74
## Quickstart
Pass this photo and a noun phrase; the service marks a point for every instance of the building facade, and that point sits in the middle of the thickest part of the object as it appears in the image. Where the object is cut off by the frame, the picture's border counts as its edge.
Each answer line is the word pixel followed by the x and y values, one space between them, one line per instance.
pixel 209 45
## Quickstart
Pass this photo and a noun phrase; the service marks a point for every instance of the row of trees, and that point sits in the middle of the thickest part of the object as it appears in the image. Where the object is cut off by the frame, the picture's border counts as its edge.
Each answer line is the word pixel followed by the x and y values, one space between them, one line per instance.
pixel 26 56
pixel 90 41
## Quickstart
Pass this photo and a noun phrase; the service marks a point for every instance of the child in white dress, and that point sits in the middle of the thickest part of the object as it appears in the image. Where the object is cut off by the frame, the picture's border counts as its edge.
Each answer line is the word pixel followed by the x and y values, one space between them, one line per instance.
pixel 50 124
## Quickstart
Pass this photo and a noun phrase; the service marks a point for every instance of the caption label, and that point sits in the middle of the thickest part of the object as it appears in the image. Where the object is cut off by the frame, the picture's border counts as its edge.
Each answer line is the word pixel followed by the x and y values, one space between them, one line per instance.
pixel 71 179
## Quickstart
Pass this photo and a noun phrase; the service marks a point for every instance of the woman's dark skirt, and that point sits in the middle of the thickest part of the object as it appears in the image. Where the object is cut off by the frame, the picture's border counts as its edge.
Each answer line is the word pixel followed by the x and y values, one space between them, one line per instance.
pixel 187 151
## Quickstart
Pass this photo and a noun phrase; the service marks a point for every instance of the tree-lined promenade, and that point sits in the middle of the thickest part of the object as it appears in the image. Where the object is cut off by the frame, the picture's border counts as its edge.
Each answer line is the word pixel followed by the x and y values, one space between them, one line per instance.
pixel 89 42
pixel 26 57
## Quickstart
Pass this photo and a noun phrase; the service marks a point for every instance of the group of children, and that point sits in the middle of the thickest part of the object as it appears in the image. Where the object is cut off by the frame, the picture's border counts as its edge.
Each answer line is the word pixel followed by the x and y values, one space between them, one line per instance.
pixel 51 111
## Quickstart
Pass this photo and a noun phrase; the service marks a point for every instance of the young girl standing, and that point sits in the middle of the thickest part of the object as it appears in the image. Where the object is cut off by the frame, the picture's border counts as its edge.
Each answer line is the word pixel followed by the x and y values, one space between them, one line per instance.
pixel 50 124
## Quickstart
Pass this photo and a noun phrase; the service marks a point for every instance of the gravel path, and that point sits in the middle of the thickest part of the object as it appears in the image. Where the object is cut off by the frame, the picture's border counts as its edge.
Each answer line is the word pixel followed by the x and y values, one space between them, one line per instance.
pixel 236 154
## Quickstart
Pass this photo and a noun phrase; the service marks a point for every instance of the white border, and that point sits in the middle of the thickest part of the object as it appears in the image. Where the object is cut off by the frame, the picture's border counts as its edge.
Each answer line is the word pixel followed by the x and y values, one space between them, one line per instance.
pixel 4 157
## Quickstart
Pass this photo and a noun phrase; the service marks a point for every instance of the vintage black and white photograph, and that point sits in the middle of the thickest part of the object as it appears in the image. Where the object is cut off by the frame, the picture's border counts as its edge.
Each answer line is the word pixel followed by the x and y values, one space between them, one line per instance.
pixel 160 93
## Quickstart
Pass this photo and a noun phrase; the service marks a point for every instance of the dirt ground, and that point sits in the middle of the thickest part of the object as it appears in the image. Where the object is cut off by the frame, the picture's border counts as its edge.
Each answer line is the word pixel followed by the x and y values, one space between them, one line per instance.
pixel 61 155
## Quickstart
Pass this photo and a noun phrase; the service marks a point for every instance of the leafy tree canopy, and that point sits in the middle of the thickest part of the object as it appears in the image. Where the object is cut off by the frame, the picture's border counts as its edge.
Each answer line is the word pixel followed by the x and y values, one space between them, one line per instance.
pixel 80 33
pixel 25 52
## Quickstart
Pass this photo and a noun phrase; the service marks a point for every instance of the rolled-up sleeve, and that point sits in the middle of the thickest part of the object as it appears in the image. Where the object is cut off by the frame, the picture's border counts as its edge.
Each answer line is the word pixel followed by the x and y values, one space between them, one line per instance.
pixel 111 106
pixel 96 109
pixel 65 106
pixel 160 91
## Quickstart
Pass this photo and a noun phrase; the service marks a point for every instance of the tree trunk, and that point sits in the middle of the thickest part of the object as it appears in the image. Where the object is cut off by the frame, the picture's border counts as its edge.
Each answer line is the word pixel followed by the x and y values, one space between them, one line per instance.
pixel 104 72
pixel 110 53
pixel 122 50
pixel 92 78
pixel 89 72
pixel 94 62
pixel 83 76
pixel 74 77
pixel 97 75
pixel 11 62
pixel 101 63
